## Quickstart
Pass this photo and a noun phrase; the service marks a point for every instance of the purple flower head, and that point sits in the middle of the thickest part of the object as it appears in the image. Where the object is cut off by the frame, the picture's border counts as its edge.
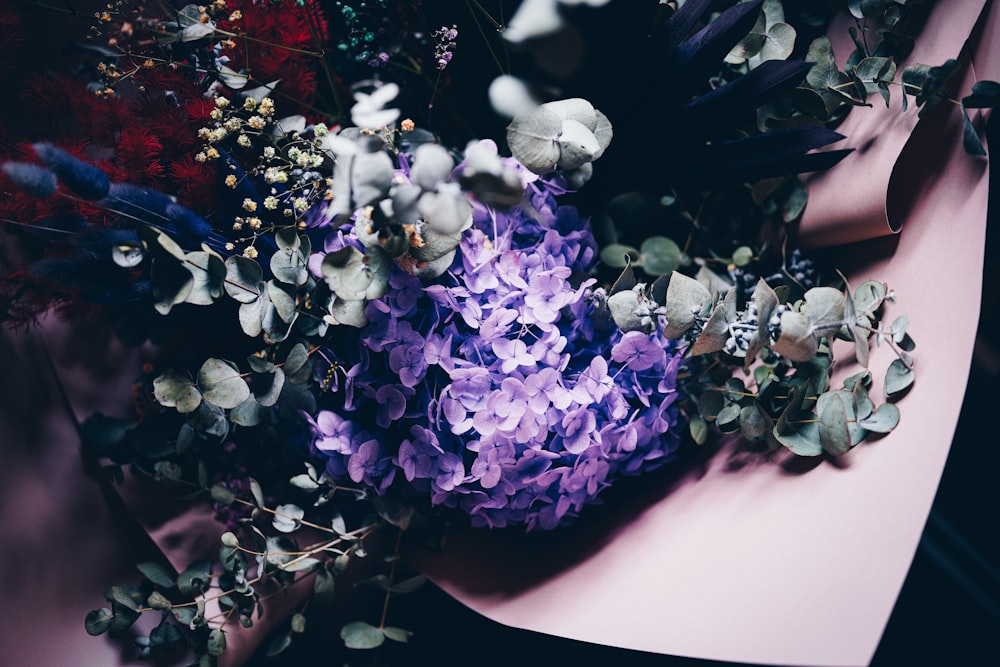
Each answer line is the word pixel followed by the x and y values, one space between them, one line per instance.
pixel 498 390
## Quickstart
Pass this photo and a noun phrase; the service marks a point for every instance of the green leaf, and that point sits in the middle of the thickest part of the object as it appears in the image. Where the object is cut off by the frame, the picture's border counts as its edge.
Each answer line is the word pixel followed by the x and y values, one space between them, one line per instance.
pixel 279 644
pixel 617 255
pixel 173 390
pixel 158 600
pixel 698 429
pixel 753 423
pixel 167 470
pixel 324 586
pixel 288 518
pixel 223 496
pixel 802 441
pixel 221 384
pixel 256 492
pixel 716 330
pixel 985 95
pixel 98 621
pixel 299 564
pixel 156 574
pixel 298 623
pixel 216 644
pixel 408 585
pixel 397 634
pixel 766 300
pixel 970 137
pixel 361 635
pixel 686 298
pixel 882 420
pixel 289 266
pixel 898 379
pixel 834 436
pixel 742 256
pixel 779 44
pixel 243 277
pixel 728 419
pixel 247 413
pixel 659 255
pixel 797 341
pixel 824 306
pixel 209 273
pixel 195 579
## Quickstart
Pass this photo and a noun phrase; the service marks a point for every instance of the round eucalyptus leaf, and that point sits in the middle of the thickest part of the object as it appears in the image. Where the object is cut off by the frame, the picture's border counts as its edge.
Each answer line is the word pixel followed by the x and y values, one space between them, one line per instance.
pixel 630 311
pixel 753 424
pixel 429 270
pixel 574 108
pixel 869 297
pixel 603 132
pixel 172 390
pixel 350 313
pixel 834 436
pixel 243 276
pixel 742 256
pixel 446 211
pixel 660 255
pixel 436 244
pixel 247 413
pixel 289 267
pixel 222 384
pixel 98 621
pixel 267 386
pixel 361 635
pixel 251 314
pixel 779 44
pixel 882 420
pixel 898 379
pixel 728 419
pixel 209 272
pixel 284 303
pixel 577 145
pixel 431 165
pixel 686 298
pixel 287 238
pixel 127 255
pixel 698 429
pixel 346 273
pixel 616 255
pixel 532 139
pixel 797 341
pixel 824 307
pixel 802 441
pixel 172 283
pixel 371 177
pixel 297 365
pixel 710 404
pixel 216 644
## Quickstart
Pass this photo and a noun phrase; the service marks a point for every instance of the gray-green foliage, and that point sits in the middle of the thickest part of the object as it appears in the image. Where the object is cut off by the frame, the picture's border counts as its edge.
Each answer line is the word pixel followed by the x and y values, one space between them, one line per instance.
pixel 783 349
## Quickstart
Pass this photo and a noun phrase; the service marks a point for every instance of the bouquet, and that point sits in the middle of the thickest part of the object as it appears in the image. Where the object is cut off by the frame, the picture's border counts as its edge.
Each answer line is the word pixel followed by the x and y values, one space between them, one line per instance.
pixel 368 323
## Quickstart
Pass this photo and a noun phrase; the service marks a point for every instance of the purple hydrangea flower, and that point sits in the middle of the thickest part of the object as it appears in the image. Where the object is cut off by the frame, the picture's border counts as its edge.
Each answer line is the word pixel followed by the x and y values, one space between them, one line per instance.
pixel 495 390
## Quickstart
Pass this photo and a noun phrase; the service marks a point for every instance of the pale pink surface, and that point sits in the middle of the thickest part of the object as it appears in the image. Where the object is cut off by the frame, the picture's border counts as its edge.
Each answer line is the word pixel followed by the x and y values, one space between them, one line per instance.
pixel 760 564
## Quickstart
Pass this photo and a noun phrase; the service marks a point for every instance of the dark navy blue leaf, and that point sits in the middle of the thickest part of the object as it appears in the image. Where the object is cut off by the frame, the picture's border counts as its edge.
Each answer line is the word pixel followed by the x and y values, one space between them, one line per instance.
pixel 744 94
pixel 700 55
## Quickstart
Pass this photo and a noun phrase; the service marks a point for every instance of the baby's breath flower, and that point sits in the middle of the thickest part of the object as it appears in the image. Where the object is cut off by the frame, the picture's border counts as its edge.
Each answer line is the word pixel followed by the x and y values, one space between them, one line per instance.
pixel 266 106
pixel 407 125
pixel 250 104
pixel 250 252
pixel 232 124
pixel 271 203
pixel 300 203
pixel 321 130
pixel 249 205
pixel 254 223
pixel 200 157
pixel 243 140
pixel 230 246
pixel 212 154
pixel 256 122
pixel 231 181
pixel 236 16
pixel 221 102
pixel 269 152
pixel 204 133
pixel 216 114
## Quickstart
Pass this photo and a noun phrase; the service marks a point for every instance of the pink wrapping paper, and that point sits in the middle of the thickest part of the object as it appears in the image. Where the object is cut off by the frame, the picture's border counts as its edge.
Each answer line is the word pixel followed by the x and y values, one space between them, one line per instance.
pixel 787 562
pixel 781 562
